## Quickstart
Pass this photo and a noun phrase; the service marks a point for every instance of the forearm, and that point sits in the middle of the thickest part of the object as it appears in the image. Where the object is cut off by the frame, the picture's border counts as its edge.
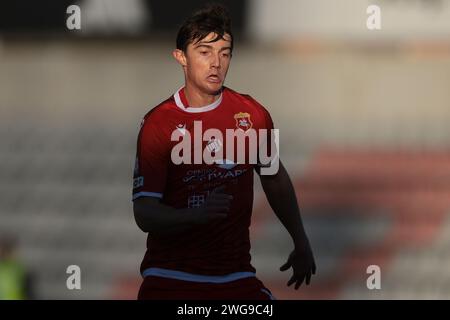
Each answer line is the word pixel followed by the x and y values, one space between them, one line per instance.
pixel 159 219
pixel 283 201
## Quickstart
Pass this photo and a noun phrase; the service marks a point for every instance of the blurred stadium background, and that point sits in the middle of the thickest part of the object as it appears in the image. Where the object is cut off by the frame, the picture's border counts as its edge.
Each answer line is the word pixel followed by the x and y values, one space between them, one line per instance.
pixel 364 128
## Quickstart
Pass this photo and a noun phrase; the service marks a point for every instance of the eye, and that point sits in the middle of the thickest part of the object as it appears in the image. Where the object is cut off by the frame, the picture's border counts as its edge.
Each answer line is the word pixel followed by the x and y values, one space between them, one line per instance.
pixel 204 53
pixel 226 54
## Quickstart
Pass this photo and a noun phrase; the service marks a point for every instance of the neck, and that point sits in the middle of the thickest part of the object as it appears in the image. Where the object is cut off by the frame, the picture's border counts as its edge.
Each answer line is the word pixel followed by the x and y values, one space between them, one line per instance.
pixel 196 98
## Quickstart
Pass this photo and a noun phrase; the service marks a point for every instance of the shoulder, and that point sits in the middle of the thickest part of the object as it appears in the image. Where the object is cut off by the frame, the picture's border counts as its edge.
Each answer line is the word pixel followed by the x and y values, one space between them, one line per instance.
pixel 156 123
pixel 160 111
pixel 249 101
pixel 162 117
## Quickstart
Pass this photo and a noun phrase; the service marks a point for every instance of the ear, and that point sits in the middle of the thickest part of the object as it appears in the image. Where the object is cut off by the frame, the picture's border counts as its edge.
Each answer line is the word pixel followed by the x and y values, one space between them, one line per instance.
pixel 180 57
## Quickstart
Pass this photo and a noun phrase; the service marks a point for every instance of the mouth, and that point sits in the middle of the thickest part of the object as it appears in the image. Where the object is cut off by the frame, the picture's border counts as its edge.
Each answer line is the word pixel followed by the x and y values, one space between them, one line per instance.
pixel 214 78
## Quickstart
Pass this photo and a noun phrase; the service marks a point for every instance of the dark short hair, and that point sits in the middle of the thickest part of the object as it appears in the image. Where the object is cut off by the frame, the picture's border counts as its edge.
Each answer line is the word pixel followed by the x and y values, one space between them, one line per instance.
pixel 214 18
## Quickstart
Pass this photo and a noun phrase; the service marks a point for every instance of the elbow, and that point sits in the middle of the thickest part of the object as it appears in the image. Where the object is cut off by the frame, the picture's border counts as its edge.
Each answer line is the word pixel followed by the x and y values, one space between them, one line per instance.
pixel 147 215
pixel 139 222
pixel 139 218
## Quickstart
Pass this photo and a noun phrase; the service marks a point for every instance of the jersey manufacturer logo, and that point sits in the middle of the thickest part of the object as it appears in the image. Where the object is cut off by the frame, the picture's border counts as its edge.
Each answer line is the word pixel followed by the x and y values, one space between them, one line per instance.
pixel 182 128
pixel 243 121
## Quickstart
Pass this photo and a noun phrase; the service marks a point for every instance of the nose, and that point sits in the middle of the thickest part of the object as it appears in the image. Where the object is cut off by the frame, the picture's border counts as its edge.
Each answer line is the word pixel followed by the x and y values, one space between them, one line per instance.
pixel 215 63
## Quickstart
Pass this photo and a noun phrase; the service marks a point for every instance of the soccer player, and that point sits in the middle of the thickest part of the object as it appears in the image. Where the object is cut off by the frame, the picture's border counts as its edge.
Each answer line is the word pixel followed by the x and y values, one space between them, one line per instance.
pixel 197 214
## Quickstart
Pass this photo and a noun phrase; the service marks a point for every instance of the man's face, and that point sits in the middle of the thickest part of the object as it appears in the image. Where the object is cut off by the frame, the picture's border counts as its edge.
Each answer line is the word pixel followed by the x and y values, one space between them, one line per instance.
pixel 206 63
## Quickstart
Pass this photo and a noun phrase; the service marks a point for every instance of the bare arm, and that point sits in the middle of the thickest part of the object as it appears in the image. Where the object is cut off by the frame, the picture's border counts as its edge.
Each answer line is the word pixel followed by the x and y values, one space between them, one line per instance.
pixel 281 196
pixel 156 218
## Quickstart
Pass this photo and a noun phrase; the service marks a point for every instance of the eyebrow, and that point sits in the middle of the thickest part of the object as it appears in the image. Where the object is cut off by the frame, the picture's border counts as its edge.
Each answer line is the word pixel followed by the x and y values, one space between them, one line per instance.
pixel 210 47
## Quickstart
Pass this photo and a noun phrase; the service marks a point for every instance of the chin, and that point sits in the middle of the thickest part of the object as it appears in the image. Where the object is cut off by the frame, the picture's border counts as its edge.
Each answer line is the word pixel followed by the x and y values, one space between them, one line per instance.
pixel 214 88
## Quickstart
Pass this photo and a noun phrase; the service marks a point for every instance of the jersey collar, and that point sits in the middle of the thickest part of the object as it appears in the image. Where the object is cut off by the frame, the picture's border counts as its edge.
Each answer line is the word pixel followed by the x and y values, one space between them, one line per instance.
pixel 209 107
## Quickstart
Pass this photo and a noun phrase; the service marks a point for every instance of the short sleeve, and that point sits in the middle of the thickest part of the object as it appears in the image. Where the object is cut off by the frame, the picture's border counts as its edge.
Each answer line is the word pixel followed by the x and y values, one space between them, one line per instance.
pixel 151 163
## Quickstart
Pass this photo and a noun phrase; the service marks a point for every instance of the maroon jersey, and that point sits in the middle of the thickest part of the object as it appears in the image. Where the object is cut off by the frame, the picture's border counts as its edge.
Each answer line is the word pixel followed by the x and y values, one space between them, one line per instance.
pixel 217 248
